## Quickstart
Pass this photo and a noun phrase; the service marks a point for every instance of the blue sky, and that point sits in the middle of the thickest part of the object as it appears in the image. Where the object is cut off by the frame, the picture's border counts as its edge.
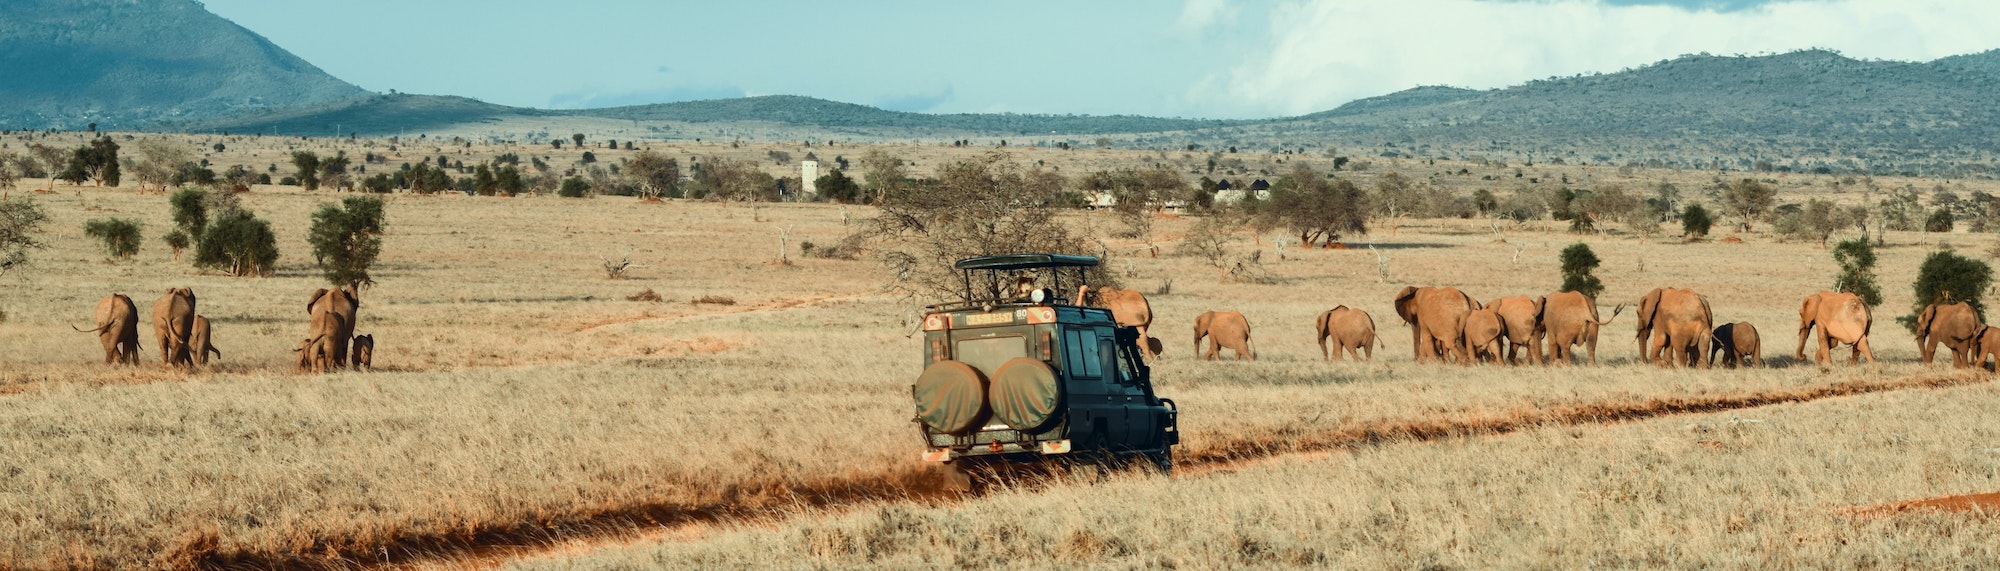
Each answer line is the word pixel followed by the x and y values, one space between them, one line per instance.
pixel 1192 58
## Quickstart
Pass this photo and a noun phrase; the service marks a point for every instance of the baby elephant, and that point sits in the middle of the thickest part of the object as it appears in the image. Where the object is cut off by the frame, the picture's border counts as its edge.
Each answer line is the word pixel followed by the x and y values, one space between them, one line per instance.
pixel 1985 345
pixel 315 354
pixel 1224 329
pixel 363 354
pixel 200 342
pixel 1738 344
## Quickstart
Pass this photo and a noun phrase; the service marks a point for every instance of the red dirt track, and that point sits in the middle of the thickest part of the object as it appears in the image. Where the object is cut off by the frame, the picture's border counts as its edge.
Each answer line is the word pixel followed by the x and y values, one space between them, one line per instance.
pixel 477 545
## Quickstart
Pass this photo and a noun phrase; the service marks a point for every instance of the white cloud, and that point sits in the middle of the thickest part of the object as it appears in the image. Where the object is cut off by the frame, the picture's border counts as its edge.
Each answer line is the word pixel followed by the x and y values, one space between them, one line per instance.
pixel 1321 53
pixel 1200 16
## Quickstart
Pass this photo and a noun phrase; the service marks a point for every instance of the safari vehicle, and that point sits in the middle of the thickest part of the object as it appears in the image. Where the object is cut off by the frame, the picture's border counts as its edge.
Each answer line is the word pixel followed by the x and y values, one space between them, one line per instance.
pixel 1017 372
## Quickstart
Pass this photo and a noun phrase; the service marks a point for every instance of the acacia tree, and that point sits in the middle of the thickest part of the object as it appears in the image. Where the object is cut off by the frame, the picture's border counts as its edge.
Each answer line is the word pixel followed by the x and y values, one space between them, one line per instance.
pixel 238 244
pixel 984 206
pixel 308 165
pixel 1748 200
pixel 1857 270
pixel 836 186
pixel 20 220
pixel 1315 207
pixel 159 160
pixel 884 173
pixel 346 239
pixel 658 175
pixel 96 161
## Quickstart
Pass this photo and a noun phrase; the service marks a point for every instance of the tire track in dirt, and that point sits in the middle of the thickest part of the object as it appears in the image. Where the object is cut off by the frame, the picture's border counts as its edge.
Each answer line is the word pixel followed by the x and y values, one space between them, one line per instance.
pixel 492 546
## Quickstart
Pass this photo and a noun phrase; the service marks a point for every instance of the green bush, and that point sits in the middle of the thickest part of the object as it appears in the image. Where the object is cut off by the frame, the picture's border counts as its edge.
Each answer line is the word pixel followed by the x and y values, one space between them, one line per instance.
pixel 179 241
pixel 1577 263
pixel 121 237
pixel 347 238
pixel 574 187
pixel 1946 277
pixel 1695 221
pixel 1940 221
pixel 1857 270
pixel 190 209
pixel 238 244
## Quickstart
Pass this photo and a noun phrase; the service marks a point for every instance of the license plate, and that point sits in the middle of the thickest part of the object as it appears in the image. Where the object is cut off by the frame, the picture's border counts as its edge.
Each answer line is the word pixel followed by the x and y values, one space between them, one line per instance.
pixel 989 318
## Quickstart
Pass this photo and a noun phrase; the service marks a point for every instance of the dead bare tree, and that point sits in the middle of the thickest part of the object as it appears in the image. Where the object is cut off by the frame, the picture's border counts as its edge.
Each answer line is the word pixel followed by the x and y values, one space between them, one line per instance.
pixel 615 270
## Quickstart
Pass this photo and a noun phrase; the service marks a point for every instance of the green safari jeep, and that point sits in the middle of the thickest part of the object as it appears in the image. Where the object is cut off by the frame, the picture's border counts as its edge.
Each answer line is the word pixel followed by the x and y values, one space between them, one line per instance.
pixel 1017 372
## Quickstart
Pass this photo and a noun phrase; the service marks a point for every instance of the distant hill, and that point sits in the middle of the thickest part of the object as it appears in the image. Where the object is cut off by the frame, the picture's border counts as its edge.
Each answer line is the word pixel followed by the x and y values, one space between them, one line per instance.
pixel 367 115
pixel 1804 110
pixel 796 110
pixel 69 63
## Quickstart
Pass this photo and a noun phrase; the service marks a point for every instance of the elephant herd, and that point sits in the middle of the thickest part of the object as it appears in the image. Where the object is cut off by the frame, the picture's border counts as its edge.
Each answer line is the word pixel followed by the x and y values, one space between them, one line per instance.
pixel 186 340
pixel 1676 327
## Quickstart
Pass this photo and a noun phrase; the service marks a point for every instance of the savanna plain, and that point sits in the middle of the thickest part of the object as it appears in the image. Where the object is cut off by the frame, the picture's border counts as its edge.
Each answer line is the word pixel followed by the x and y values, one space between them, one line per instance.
pixel 525 412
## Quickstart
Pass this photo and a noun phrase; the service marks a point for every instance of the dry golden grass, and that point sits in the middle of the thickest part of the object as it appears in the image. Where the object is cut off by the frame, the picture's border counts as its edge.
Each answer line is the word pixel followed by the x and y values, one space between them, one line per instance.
pixel 522 394
pixel 1744 490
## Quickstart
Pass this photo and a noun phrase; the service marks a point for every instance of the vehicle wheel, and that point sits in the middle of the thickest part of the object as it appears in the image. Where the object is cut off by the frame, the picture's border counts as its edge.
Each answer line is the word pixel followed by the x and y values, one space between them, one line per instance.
pixel 1162 461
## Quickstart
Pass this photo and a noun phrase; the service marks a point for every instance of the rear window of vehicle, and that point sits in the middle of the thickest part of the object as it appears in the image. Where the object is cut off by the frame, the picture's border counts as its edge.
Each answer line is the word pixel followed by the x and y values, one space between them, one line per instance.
pixel 988 354
pixel 1081 357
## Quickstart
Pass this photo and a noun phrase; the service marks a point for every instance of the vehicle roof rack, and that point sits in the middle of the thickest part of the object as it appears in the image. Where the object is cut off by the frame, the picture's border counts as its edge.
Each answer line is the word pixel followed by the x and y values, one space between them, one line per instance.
pixel 1024 261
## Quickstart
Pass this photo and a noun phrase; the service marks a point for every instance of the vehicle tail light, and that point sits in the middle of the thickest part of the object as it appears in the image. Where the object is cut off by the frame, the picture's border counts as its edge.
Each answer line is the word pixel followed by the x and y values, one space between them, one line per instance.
pixel 938 352
pixel 1041 315
pixel 936 322
pixel 1048 345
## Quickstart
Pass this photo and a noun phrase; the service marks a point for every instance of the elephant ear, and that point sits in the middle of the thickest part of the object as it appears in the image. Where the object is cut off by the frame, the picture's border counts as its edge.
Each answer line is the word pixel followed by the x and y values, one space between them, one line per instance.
pixel 1404 306
pixel 1924 321
pixel 1646 306
pixel 318 293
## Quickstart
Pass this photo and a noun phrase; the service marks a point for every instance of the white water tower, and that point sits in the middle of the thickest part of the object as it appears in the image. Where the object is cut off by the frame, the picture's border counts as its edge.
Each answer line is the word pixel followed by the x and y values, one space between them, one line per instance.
pixel 809 172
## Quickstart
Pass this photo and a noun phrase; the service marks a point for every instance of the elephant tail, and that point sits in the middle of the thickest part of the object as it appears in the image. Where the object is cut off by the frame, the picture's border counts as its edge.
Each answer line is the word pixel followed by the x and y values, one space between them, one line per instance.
pixel 99 329
pixel 1614 315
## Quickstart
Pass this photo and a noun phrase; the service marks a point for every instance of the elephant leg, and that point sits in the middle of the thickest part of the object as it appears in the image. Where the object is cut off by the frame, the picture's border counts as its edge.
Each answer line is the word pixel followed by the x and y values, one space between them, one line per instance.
pixel 1145 346
pixel 1417 342
pixel 1825 353
pixel 1704 341
pixel 1323 354
pixel 1861 349
pixel 1929 348
pixel 1367 351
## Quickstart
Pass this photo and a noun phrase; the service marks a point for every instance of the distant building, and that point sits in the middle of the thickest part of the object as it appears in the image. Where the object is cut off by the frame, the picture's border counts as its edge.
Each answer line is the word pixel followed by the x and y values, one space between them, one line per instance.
pixel 808 175
pixel 1231 193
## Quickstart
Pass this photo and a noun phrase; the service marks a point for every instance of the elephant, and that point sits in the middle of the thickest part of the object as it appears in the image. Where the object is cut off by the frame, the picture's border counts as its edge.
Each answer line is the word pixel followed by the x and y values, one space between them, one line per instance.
pixel 1521 317
pixel 1675 325
pixel 344 302
pixel 1954 325
pixel 1739 345
pixel 315 354
pixel 1129 309
pixel 364 352
pixel 1436 317
pixel 199 342
pixel 1569 319
pixel 1984 345
pixel 173 322
pixel 1484 331
pixel 1352 331
pixel 1224 329
pixel 117 329
pixel 1842 318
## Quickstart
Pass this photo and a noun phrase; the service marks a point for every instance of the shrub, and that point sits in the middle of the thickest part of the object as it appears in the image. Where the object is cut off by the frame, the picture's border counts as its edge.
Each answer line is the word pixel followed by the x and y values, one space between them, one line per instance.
pixel 190 210
pixel 574 187
pixel 238 244
pixel 1577 263
pixel 1695 221
pixel 20 219
pixel 347 238
pixel 179 241
pixel 1857 270
pixel 1939 221
pixel 121 237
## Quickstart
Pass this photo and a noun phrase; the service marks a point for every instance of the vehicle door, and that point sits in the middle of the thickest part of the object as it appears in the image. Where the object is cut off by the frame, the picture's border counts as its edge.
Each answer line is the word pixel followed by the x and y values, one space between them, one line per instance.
pixel 1138 421
pixel 1091 394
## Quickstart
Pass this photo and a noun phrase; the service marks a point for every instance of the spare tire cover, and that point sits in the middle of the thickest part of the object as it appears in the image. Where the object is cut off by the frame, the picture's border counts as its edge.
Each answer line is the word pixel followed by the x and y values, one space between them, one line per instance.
pixel 951 397
pixel 1025 394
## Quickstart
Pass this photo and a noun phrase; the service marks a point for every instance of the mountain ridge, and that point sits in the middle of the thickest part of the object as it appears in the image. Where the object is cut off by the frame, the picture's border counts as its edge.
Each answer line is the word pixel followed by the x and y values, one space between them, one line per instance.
pixel 131 62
